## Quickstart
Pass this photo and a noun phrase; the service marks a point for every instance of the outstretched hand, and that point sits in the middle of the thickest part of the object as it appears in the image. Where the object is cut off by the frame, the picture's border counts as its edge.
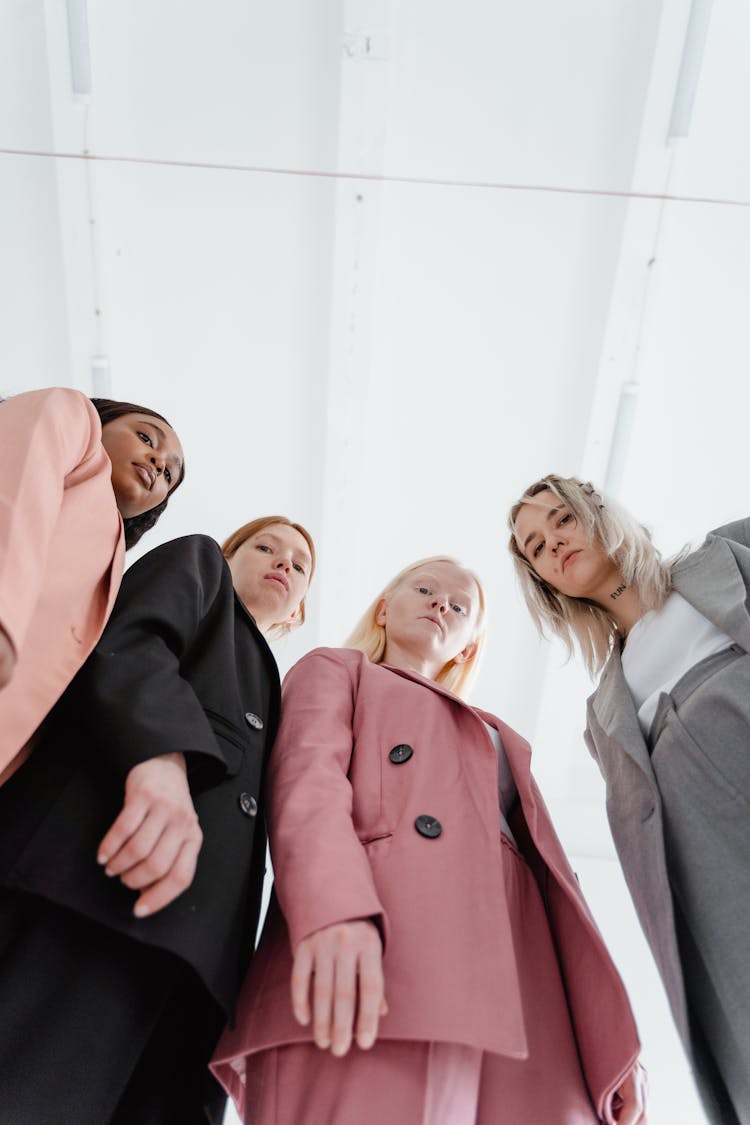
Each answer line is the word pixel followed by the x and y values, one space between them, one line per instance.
pixel 7 658
pixel 343 965
pixel 153 844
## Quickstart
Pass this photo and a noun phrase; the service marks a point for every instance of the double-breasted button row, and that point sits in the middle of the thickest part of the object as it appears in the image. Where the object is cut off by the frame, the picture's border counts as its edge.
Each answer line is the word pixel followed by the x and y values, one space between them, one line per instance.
pixel 400 753
pixel 248 804
pixel 428 826
pixel 253 721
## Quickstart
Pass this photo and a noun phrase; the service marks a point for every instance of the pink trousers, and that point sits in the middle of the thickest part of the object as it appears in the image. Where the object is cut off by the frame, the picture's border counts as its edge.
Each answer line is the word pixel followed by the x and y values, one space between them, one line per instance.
pixel 417 1083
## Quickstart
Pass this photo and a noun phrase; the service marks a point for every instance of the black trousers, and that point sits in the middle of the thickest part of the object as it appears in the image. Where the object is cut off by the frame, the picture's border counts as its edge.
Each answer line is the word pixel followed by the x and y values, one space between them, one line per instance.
pixel 98 1029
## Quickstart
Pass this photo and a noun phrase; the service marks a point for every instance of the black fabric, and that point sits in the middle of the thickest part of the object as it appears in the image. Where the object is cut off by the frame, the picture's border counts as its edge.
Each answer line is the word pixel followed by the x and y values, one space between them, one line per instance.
pixel 180 664
pixel 97 1029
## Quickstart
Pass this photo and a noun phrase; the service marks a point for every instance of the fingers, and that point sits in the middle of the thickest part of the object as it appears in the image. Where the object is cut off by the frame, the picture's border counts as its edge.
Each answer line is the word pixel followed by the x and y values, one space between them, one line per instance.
pixel 152 850
pixel 301 973
pixel 125 826
pixel 176 880
pixel 323 998
pixel 372 1003
pixel 344 998
pixel 153 844
pixel 342 964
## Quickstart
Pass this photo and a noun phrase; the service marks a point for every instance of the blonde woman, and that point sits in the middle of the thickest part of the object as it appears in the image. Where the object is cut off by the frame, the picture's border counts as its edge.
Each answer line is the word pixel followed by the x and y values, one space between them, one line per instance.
pixel 442 964
pixel 669 725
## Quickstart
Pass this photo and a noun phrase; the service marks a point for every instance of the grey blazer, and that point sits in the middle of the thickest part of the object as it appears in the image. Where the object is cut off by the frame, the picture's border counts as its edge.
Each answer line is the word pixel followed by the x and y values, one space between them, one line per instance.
pixel 715 579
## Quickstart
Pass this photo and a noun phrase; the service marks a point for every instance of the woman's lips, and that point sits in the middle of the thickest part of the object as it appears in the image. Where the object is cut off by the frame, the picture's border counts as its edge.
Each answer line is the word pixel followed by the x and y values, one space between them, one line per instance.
pixel 277 578
pixel 569 558
pixel 147 477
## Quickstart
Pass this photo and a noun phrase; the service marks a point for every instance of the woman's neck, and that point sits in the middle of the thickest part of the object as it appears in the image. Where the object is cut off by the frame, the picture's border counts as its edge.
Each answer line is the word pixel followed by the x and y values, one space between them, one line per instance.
pixel 408 661
pixel 623 604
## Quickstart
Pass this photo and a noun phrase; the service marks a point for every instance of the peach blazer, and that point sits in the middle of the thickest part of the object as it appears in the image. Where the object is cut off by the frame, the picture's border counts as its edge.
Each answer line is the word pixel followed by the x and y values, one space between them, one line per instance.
pixel 61 550
pixel 342 813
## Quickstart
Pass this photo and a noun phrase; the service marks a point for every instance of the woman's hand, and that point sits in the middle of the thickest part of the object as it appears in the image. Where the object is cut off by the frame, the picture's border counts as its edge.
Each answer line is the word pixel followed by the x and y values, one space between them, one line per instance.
pixel 344 965
pixel 630 1098
pixel 153 844
pixel 7 658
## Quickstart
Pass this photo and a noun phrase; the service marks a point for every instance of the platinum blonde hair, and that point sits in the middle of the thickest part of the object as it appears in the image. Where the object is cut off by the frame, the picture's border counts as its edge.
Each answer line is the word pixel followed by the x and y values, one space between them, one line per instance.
pixel 370 638
pixel 627 542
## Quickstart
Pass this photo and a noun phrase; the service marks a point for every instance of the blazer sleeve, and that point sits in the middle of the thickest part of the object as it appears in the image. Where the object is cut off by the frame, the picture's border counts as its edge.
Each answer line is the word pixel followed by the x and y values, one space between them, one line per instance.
pixel 322 875
pixel 45 438
pixel 136 702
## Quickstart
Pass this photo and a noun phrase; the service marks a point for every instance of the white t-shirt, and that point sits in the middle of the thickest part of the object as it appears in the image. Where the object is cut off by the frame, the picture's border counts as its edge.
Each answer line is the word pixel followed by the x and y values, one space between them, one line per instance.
pixel 506 786
pixel 661 647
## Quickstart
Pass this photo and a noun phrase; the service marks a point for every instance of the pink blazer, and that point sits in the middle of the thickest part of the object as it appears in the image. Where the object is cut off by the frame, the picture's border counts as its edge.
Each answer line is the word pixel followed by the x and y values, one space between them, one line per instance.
pixel 61 550
pixel 344 845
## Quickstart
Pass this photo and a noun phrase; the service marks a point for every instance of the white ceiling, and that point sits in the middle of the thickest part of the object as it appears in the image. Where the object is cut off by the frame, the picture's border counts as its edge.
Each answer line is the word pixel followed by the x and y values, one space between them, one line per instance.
pixel 391 360
pixel 455 259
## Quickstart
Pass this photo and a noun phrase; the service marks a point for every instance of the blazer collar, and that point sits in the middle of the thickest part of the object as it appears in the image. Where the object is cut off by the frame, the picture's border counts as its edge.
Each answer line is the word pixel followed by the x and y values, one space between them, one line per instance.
pixel 516 748
pixel 408 674
pixel 711 581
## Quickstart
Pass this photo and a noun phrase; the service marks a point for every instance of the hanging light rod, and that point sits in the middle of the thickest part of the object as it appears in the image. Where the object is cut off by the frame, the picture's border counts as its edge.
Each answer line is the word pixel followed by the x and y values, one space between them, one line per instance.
pixel 690 67
pixel 78 47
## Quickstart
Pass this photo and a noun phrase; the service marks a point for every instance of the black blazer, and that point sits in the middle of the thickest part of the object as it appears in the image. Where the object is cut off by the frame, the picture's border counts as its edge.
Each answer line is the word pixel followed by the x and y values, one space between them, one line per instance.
pixel 181 666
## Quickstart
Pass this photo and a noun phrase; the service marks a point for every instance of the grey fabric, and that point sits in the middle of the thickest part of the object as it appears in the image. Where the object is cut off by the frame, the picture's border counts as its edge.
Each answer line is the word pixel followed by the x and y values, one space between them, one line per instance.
pixel 679 813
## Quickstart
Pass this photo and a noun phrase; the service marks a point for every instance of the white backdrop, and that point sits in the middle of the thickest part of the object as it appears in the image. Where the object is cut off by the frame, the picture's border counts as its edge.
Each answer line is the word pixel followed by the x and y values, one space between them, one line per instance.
pixel 382 265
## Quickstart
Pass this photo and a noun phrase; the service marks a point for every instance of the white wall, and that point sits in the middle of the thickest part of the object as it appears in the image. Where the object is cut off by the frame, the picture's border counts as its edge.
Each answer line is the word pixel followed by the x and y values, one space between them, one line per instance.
pixel 33 321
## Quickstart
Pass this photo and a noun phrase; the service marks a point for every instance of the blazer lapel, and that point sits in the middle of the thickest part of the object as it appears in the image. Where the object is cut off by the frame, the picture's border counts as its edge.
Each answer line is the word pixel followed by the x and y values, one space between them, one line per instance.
pixel 418 679
pixel 613 708
pixel 518 753
pixel 712 581
pixel 485 796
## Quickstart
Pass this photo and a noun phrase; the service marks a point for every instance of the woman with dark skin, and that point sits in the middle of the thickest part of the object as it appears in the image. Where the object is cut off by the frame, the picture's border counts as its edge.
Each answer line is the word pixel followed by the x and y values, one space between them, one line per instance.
pixel 669 727
pixel 132 842
pixel 80 480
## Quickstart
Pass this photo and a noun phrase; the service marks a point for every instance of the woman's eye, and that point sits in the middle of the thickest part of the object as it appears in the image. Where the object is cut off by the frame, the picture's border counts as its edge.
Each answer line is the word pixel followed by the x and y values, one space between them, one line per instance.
pixel 537 551
pixel 566 518
pixel 299 569
pixel 459 609
pixel 144 437
pixel 422 590
pixel 167 476
pixel 263 547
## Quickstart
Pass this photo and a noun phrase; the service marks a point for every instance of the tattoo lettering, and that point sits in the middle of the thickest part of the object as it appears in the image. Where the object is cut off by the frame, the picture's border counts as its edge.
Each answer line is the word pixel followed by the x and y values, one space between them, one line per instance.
pixel 618 591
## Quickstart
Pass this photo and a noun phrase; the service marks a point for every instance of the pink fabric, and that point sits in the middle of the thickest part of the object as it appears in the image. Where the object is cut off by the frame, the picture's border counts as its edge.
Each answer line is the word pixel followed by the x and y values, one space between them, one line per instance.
pixel 452 1084
pixel 61 550
pixel 417 1083
pixel 344 845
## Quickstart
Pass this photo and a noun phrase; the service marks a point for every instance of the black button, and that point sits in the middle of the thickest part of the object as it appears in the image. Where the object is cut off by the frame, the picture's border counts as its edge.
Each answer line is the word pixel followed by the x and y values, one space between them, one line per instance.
pixel 248 804
pixel 428 826
pixel 254 721
pixel 400 753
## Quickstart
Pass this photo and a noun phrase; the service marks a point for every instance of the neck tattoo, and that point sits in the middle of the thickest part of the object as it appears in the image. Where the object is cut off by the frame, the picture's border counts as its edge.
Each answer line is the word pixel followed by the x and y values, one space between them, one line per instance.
pixel 620 590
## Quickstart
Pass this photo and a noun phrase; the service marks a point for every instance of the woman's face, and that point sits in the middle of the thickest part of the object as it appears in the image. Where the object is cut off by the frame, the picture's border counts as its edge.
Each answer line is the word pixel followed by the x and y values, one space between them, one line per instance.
pixel 560 551
pixel 271 573
pixel 146 458
pixel 430 618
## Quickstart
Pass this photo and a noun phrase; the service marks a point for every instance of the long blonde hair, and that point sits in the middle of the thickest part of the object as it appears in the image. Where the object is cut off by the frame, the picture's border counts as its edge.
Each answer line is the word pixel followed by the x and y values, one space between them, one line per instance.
pixel 627 542
pixel 234 541
pixel 370 637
